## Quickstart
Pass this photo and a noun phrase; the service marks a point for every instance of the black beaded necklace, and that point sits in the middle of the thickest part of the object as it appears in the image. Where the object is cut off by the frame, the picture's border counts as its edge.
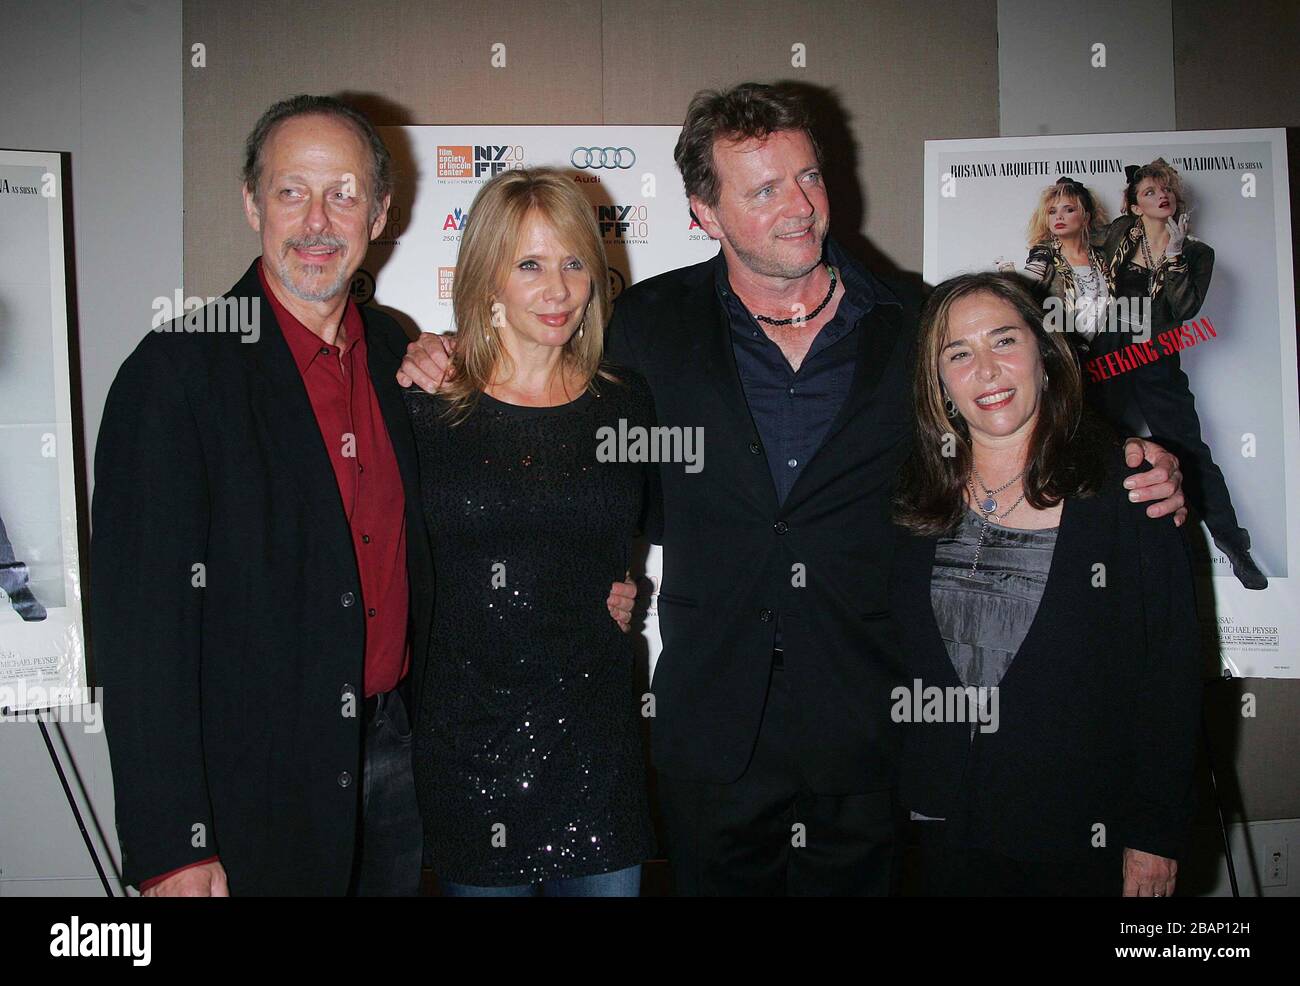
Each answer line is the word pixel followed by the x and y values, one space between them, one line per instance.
pixel 812 314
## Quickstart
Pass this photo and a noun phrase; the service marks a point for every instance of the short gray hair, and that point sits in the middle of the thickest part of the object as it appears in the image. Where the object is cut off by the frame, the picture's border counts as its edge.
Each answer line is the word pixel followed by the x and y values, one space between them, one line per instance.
pixel 381 162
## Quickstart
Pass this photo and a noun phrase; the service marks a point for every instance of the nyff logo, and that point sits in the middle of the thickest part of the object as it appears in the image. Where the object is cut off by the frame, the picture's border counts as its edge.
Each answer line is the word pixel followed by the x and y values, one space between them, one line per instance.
pixel 621 222
pixel 478 160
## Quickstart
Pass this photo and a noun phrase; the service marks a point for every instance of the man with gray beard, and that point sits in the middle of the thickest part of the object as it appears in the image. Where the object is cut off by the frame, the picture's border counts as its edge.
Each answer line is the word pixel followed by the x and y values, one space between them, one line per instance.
pixel 258 594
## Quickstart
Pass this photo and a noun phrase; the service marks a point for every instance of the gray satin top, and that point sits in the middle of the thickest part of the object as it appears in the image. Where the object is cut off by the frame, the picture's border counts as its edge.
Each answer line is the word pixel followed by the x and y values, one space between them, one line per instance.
pixel 984 621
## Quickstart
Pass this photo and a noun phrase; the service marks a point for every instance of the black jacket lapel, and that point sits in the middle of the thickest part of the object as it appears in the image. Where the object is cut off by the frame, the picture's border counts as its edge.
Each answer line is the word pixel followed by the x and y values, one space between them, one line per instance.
pixel 285 415
pixel 878 335
pixel 704 321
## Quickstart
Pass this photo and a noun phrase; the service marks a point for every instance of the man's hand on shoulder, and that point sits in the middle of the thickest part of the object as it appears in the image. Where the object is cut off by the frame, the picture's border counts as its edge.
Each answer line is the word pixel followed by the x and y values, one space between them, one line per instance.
pixel 1162 484
pixel 427 362
pixel 203 880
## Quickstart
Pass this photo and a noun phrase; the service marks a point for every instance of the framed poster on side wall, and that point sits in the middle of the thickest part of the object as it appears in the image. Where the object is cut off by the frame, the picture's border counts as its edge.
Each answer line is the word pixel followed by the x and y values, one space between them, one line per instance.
pixel 42 652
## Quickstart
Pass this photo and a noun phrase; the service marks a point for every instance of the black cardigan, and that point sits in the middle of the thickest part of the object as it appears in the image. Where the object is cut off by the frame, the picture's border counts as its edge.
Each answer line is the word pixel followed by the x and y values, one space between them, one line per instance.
pixel 1097 714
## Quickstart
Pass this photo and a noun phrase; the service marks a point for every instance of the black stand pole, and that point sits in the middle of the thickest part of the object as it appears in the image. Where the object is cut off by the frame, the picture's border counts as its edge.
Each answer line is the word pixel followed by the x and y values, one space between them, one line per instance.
pixel 1214 788
pixel 72 802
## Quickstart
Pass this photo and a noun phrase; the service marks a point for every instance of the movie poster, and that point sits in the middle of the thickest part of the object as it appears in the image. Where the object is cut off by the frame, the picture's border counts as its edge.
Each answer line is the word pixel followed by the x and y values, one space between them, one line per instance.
pixel 1182 310
pixel 627 173
pixel 42 657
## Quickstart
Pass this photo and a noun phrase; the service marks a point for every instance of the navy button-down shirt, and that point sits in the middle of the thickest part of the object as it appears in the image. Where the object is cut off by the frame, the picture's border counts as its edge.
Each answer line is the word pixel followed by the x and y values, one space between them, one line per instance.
pixel 793 410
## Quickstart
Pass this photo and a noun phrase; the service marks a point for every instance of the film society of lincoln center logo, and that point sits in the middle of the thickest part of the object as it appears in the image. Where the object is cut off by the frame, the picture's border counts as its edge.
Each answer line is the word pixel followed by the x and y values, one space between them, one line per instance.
pixel 473 161
pixel 446 276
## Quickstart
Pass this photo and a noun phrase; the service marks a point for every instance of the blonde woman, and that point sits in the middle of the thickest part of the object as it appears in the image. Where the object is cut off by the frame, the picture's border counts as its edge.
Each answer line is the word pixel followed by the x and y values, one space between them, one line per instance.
pixel 1064 260
pixel 528 757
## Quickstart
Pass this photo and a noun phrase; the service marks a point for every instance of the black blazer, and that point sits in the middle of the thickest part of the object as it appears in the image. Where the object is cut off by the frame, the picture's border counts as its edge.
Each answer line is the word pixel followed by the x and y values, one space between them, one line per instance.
pixel 1098 712
pixel 224 695
pixel 731 551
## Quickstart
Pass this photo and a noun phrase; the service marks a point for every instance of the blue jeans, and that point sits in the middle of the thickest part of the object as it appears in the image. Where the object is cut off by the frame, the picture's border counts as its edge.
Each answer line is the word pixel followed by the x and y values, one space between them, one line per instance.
pixel 619 883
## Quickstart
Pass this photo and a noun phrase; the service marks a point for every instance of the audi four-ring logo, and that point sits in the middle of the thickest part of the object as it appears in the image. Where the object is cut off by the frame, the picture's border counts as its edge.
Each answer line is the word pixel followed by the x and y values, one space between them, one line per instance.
pixel 603 157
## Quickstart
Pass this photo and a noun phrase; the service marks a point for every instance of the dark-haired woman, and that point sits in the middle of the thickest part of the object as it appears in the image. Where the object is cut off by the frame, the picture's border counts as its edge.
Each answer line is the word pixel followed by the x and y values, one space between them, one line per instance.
pixel 1052 703
pixel 1150 255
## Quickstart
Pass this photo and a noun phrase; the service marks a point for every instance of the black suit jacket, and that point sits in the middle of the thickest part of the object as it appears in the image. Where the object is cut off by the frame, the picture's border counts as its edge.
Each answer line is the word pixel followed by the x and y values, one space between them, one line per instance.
pixel 221 566
pixel 1097 714
pixel 734 558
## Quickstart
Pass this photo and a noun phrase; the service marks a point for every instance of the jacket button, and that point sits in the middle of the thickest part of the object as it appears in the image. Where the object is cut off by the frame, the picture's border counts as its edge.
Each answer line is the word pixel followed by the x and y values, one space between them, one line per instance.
pixel 765 615
pixel 780 527
pixel 347 599
pixel 345 779
pixel 755 448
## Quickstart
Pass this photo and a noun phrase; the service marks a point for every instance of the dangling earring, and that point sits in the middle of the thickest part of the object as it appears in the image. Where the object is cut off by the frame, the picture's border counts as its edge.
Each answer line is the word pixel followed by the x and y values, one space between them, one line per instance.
pixel 949 407
pixel 581 326
pixel 498 316
pixel 1056 242
pixel 1045 379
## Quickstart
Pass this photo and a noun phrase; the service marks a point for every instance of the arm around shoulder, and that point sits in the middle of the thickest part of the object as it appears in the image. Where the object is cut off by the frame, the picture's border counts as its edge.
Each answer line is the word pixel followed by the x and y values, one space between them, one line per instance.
pixel 1168 685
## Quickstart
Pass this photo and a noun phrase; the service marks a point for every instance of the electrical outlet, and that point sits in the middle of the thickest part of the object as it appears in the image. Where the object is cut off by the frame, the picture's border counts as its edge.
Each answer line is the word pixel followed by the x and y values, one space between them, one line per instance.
pixel 1273 871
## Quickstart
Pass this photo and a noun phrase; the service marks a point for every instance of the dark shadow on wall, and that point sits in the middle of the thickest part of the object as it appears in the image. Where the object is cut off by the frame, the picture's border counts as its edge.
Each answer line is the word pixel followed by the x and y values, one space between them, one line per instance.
pixel 384 112
pixel 850 201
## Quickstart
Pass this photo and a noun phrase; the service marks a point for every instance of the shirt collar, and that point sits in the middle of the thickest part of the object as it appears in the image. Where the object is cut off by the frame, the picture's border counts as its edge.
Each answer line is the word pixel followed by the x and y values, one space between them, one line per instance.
pixel 306 345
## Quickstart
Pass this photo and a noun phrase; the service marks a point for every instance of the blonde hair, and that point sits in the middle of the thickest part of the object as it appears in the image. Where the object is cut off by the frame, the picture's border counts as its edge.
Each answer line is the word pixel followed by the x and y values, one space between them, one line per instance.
pixel 496 220
pixel 1040 230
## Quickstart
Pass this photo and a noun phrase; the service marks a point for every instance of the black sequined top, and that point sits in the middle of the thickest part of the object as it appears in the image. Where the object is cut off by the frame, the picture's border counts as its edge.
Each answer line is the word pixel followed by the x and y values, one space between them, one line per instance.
pixel 528 755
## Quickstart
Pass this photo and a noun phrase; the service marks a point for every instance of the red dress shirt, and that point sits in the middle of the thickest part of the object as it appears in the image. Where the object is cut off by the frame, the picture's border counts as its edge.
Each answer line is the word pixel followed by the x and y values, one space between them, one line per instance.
pixel 356 438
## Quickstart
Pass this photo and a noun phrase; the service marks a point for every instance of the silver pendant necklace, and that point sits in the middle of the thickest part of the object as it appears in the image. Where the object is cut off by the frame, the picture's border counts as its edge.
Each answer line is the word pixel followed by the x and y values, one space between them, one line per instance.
pixel 987 503
pixel 989 515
